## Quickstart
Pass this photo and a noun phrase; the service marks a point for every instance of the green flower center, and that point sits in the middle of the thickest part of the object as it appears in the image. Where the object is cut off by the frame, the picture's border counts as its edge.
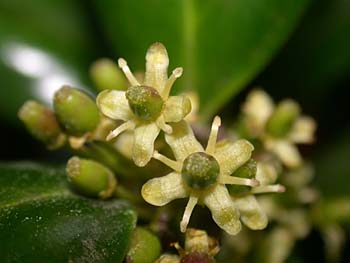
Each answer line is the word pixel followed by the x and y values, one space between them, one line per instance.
pixel 145 102
pixel 200 170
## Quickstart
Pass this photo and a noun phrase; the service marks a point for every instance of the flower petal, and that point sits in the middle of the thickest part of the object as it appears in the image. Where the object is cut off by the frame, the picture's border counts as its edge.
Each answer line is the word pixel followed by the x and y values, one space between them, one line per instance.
pixel 182 141
pixel 114 105
pixel 267 172
pixel 176 108
pixel 281 236
pixel 286 151
pixel 223 210
pixel 257 109
pixel 303 130
pixel 157 62
pixel 251 213
pixel 144 137
pixel 160 191
pixel 232 155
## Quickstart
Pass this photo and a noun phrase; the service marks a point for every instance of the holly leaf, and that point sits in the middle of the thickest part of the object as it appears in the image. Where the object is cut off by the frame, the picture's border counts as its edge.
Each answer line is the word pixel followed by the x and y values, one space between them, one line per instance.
pixel 41 220
pixel 43 45
pixel 222 45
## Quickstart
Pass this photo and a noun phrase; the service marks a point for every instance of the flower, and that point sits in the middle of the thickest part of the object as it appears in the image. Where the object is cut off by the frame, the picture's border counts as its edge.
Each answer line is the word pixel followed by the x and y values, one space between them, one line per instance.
pixel 201 175
pixel 146 108
pixel 252 215
pixel 279 127
pixel 199 247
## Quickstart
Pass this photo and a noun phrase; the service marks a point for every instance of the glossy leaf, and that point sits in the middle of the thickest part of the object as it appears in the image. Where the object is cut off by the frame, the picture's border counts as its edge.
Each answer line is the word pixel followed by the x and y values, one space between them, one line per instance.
pixel 222 45
pixel 43 45
pixel 41 220
pixel 317 56
pixel 332 167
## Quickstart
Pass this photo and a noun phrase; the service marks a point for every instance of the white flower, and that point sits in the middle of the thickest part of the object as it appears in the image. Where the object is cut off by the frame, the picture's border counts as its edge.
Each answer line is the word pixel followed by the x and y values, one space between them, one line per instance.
pixel 146 108
pixel 201 175
pixel 278 127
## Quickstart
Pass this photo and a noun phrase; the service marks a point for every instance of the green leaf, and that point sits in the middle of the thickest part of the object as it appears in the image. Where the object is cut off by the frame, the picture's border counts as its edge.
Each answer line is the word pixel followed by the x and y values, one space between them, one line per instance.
pixel 222 45
pixel 317 56
pixel 42 221
pixel 43 45
pixel 332 166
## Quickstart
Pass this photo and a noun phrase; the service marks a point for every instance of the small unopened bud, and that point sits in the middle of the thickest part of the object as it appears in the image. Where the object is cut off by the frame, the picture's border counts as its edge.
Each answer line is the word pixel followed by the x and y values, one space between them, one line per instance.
pixel 247 170
pixel 76 111
pixel 106 74
pixel 41 122
pixel 145 102
pixel 283 118
pixel 145 247
pixel 91 178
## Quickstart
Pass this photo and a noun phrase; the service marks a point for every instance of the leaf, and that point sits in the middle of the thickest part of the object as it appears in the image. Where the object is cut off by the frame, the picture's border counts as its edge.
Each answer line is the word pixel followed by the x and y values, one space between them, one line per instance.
pixel 317 56
pixel 332 166
pixel 42 221
pixel 222 45
pixel 43 45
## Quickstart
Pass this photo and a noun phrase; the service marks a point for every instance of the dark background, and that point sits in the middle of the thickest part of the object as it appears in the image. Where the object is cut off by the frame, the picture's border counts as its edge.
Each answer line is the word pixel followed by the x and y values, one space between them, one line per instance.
pixel 311 65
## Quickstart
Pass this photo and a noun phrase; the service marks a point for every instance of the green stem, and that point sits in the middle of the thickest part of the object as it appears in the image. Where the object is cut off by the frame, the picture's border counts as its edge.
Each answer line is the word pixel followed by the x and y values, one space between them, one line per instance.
pixel 109 156
pixel 123 192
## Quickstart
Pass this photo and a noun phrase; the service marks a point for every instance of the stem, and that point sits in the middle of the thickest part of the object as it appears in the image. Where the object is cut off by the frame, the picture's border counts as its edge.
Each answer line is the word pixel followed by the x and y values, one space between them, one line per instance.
pixel 109 156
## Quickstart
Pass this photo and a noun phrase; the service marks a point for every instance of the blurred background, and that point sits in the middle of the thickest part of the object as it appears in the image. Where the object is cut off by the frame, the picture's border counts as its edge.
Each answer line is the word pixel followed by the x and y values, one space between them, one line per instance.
pixel 294 48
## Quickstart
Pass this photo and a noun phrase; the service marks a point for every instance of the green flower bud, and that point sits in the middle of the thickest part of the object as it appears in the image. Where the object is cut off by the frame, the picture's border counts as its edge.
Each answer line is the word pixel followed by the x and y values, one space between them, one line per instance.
pixel 41 122
pixel 76 111
pixel 247 170
pixel 106 74
pixel 145 102
pixel 145 247
pixel 91 178
pixel 200 170
pixel 283 118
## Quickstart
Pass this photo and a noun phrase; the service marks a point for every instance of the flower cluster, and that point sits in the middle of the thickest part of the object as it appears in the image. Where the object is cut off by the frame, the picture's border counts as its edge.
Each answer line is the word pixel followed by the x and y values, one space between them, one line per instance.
pixel 222 176
pixel 202 175
pixel 122 128
pixel 279 127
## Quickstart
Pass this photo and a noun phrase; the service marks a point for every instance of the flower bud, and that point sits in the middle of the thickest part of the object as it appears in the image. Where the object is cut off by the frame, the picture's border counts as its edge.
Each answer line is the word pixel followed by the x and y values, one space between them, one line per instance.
pixel 247 170
pixel 282 118
pixel 106 74
pixel 41 122
pixel 145 247
pixel 145 102
pixel 76 111
pixel 90 178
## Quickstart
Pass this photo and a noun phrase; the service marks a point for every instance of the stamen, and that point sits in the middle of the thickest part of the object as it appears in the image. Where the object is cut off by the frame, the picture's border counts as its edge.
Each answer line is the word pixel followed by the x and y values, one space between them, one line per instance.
pixel 163 126
pixel 239 181
pixel 275 188
pixel 125 126
pixel 174 75
pixel 124 66
pixel 213 135
pixel 176 166
pixel 187 214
